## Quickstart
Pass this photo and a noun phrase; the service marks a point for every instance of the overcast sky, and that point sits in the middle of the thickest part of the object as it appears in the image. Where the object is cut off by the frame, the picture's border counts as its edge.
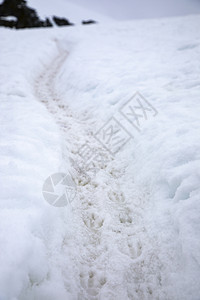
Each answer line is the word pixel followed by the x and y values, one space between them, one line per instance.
pixel 117 9
pixel 131 9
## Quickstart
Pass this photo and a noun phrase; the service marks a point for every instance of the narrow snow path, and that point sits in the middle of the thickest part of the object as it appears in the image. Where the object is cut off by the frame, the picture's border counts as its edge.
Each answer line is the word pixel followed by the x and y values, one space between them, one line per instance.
pixel 115 258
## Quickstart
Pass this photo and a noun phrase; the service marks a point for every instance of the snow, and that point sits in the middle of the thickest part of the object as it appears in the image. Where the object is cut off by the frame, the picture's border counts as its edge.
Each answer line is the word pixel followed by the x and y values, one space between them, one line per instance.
pixel 132 231
pixel 31 230
pixel 11 18
pixel 160 59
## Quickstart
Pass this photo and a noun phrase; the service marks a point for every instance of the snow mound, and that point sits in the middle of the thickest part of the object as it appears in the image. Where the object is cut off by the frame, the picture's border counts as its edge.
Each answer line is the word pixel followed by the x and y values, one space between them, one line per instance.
pixel 160 59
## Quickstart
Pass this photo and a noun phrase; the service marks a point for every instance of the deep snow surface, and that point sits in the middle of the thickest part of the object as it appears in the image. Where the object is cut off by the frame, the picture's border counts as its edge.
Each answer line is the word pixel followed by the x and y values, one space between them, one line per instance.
pixel 132 232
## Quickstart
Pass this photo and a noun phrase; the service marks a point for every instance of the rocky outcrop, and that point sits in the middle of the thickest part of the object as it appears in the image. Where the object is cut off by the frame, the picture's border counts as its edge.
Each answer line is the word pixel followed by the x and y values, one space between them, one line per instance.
pixel 88 22
pixel 16 14
pixel 26 17
pixel 62 21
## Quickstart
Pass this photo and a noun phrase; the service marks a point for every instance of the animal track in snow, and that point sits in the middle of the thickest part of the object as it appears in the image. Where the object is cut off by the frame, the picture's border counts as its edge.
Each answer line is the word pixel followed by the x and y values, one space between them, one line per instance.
pixel 92 284
pixel 109 221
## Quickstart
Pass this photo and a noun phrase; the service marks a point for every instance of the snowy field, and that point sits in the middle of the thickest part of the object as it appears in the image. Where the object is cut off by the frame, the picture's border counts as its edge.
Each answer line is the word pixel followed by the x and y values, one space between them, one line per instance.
pixel 132 231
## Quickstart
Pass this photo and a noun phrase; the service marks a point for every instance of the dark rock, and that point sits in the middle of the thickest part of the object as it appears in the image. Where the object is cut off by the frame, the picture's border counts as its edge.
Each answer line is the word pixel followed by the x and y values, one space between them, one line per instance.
pixel 62 21
pixel 26 16
pixel 6 23
pixel 47 23
pixel 89 22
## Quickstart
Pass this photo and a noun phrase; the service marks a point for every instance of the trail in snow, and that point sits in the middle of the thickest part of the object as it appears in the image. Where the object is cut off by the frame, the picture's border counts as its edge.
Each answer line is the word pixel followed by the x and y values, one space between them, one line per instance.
pixel 115 258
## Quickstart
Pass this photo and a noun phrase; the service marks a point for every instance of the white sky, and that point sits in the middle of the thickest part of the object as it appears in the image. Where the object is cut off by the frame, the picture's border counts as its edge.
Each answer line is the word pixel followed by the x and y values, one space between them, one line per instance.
pixel 130 9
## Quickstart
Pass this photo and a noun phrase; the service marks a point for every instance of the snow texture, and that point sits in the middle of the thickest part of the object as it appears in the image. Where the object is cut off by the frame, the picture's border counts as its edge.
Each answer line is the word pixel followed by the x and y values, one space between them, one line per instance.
pixel 132 232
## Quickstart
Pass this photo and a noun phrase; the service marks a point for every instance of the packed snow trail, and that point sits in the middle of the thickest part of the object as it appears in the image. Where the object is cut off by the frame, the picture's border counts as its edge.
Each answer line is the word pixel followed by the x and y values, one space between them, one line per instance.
pixel 114 256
